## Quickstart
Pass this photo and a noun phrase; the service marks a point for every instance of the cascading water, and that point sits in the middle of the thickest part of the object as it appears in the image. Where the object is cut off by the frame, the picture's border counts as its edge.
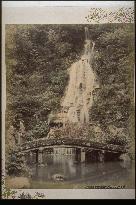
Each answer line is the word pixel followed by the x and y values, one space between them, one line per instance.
pixel 78 97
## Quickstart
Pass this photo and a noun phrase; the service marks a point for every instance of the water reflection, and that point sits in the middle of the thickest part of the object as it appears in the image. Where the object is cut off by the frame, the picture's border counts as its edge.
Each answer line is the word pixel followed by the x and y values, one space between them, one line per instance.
pixel 73 172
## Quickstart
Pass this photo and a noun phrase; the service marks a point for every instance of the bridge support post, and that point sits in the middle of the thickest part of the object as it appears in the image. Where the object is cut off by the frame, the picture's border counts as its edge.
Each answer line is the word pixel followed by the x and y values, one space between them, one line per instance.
pixel 40 157
pixel 30 157
pixel 82 155
pixel 101 156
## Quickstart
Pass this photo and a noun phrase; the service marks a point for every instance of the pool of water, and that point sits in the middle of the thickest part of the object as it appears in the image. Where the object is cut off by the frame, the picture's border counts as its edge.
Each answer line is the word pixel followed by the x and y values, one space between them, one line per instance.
pixel 116 172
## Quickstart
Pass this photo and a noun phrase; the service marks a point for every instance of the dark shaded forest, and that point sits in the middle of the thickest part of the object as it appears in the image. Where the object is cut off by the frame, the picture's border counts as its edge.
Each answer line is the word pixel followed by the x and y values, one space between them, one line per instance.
pixel 37 59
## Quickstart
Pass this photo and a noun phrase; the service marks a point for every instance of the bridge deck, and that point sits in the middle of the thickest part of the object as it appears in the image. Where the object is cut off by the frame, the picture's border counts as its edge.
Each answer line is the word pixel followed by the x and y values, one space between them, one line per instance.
pixel 67 142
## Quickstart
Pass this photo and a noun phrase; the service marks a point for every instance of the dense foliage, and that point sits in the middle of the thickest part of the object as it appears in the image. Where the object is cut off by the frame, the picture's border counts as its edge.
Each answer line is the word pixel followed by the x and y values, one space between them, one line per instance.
pixel 114 65
pixel 79 131
pixel 37 58
pixel 16 166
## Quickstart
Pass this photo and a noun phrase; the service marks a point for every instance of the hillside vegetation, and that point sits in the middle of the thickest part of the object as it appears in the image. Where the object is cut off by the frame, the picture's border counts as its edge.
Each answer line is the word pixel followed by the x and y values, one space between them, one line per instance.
pixel 37 59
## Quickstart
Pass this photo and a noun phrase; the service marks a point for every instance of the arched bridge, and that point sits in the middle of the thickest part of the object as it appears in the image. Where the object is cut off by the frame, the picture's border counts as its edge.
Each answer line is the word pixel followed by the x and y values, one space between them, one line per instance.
pixel 84 149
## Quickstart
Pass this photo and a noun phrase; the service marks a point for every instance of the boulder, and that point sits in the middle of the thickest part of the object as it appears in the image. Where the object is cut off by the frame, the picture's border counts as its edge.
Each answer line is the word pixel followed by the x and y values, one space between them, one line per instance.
pixel 125 161
pixel 125 157
pixel 58 177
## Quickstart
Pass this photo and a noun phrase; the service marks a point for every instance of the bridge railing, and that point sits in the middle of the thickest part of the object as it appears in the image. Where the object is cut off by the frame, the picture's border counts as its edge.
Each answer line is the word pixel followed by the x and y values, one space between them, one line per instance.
pixel 43 142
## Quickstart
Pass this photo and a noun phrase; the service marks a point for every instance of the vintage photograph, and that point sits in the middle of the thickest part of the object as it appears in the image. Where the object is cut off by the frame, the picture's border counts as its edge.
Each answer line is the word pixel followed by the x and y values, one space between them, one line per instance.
pixel 69 117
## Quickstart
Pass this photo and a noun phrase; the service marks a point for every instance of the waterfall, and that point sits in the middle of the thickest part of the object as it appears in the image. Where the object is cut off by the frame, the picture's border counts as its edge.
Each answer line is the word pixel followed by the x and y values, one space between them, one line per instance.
pixel 86 33
pixel 78 97
pixel 80 92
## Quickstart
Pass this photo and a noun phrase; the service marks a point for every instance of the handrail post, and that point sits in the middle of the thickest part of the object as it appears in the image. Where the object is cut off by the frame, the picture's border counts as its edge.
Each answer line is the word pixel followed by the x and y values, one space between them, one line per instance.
pixel 82 155
pixel 101 156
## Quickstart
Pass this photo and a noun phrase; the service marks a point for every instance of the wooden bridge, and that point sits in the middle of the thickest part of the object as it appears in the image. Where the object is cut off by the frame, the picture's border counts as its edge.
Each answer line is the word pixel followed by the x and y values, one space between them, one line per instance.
pixel 84 150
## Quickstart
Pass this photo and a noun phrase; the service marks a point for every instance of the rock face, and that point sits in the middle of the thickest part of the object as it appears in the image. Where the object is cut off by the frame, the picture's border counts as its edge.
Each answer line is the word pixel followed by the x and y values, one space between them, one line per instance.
pixel 78 97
